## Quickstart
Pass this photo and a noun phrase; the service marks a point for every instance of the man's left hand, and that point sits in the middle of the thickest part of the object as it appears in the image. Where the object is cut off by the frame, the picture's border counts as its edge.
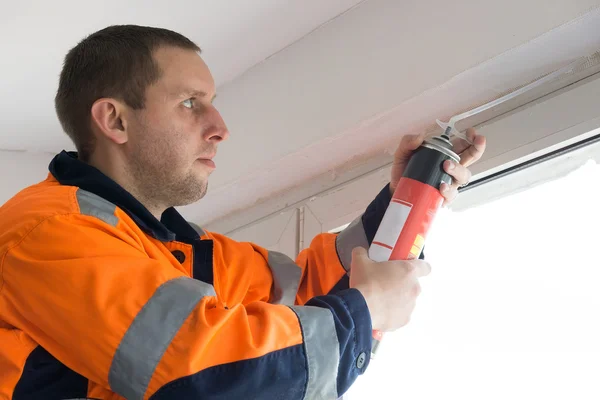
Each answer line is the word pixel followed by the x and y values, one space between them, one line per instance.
pixel 460 174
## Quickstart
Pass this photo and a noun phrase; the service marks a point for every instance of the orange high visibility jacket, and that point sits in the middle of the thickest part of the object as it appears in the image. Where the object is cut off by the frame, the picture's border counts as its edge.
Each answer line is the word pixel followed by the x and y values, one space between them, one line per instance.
pixel 99 299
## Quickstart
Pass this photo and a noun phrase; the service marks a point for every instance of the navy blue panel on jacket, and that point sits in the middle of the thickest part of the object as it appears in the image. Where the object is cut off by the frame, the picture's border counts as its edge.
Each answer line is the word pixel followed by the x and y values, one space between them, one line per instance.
pixel 254 379
pixel 283 374
pixel 203 260
pixel 375 211
pixel 342 284
pixel 46 378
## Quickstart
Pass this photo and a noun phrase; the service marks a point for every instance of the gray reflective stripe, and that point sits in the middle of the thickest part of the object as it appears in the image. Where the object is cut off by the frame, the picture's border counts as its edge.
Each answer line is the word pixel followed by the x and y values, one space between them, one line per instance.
pixel 286 278
pixel 95 206
pixel 322 351
pixel 353 236
pixel 197 228
pixel 150 334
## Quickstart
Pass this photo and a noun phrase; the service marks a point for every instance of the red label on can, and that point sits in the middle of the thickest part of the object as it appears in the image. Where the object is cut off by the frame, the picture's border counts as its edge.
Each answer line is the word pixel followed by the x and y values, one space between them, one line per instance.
pixel 403 229
pixel 426 201
pixel 378 335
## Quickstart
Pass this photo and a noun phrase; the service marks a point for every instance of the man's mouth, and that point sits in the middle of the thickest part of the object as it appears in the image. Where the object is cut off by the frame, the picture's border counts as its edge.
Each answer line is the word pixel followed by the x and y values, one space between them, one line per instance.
pixel 208 162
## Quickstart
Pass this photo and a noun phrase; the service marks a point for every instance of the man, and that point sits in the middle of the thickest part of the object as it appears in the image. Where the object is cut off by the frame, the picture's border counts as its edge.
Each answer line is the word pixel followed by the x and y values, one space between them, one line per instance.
pixel 106 292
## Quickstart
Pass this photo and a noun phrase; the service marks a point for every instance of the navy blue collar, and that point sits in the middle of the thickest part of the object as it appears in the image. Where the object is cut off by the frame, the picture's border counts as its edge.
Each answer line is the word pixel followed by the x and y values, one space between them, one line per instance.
pixel 69 170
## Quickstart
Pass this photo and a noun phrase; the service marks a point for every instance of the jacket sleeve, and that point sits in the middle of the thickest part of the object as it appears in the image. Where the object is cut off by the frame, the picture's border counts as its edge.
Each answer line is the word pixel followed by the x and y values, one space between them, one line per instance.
pixel 326 262
pixel 92 296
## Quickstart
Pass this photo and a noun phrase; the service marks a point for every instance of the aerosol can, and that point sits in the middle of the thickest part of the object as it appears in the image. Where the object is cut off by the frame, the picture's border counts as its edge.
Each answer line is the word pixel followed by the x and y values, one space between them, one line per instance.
pixel 415 202
pixel 417 198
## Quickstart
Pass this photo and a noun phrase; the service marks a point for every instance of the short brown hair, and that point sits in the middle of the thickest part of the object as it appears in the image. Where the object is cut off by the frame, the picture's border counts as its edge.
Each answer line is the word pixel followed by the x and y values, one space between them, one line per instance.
pixel 115 62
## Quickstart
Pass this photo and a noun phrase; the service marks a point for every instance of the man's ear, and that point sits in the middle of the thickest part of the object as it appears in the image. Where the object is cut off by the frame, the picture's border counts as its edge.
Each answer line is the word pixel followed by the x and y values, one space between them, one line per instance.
pixel 108 116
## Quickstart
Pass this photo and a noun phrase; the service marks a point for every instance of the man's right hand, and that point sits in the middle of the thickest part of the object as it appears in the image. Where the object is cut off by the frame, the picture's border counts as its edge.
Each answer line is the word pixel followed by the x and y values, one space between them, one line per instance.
pixel 390 288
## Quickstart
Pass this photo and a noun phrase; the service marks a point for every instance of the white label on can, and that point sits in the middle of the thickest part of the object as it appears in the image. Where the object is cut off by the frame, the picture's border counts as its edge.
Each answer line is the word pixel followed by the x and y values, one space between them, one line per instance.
pixel 389 230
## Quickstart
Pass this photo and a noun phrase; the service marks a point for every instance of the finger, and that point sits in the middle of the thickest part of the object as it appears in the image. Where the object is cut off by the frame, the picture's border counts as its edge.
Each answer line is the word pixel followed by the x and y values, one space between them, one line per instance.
pixel 459 144
pixel 359 253
pixel 416 290
pixel 449 193
pixel 408 144
pixel 421 268
pixel 459 173
pixel 474 152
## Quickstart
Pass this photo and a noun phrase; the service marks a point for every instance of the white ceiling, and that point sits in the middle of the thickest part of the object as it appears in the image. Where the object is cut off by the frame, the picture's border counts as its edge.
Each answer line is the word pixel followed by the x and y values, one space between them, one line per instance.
pixel 331 97
pixel 340 98
pixel 35 35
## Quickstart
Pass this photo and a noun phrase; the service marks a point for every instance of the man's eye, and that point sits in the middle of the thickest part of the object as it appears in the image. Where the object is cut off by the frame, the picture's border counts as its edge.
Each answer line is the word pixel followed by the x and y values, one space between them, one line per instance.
pixel 189 103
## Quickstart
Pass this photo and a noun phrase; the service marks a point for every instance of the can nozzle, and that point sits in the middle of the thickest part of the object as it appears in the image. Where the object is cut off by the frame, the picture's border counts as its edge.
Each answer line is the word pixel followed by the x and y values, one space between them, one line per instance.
pixel 450 131
pixel 449 127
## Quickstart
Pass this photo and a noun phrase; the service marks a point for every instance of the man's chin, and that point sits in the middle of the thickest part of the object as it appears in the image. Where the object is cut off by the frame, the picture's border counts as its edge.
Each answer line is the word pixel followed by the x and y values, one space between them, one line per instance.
pixel 189 197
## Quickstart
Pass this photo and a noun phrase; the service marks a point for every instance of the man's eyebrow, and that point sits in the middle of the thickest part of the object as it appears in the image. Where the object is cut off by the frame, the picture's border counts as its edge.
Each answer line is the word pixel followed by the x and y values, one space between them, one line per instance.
pixel 196 93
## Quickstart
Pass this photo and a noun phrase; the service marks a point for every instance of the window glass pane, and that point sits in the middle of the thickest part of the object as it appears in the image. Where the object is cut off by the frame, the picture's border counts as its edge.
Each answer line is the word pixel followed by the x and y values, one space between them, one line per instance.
pixel 512 307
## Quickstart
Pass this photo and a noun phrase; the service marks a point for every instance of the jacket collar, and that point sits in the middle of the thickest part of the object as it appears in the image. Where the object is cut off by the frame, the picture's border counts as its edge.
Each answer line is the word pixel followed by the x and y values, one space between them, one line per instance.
pixel 67 169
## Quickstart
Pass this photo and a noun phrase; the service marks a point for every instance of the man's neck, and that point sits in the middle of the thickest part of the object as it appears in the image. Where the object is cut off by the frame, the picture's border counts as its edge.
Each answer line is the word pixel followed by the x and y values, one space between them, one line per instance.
pixel 114 170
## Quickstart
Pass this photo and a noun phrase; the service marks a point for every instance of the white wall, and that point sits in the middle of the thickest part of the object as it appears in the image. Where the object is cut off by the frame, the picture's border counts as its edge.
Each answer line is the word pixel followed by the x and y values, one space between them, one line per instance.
pixel 277 233
pixel 21 169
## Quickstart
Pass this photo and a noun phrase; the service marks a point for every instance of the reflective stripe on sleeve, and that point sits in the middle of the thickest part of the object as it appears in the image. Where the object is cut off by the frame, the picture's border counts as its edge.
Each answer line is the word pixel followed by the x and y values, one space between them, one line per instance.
pixel 322 351
pixel 150 334
pixel 286 278
pixel 352 236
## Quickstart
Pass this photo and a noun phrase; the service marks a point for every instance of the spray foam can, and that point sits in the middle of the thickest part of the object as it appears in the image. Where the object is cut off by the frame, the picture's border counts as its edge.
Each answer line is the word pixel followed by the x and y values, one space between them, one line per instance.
pixel 415 202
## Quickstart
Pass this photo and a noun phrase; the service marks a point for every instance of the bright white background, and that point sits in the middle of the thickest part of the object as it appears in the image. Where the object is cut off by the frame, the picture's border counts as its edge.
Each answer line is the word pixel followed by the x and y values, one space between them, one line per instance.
pixel 512 308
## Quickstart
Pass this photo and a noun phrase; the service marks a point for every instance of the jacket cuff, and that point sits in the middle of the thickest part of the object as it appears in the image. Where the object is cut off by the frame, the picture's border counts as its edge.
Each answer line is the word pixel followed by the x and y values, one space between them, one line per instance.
pixel 358 358
pixel 363 331
pixel 352 322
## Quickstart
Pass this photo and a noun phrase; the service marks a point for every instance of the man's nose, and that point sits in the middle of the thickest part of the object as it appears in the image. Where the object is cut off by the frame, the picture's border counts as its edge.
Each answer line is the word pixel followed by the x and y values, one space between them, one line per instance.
pixel 218 131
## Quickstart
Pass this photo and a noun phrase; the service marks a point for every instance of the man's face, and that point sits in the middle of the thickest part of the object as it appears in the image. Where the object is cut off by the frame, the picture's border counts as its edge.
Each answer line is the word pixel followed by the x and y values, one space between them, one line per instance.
pixel 173 139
